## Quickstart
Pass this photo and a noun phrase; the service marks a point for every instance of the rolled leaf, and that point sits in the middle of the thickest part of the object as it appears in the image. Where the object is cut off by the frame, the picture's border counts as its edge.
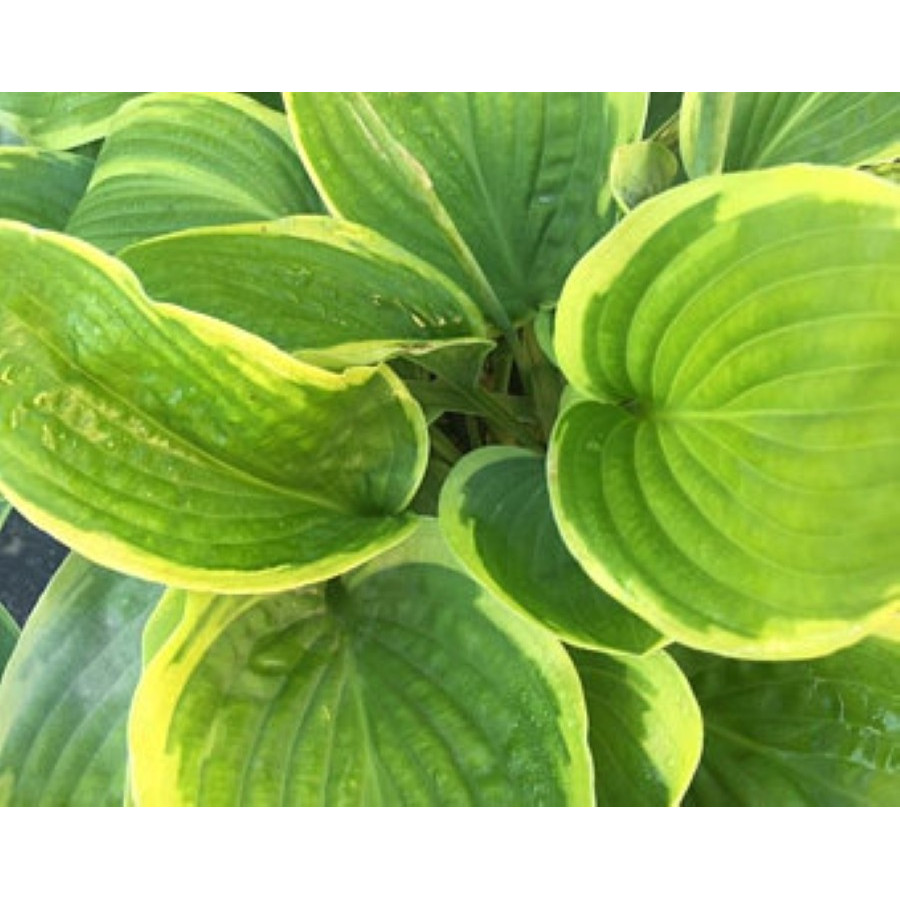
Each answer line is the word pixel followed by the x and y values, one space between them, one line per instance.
pixel 736 478
pixel 41 187
pixel 59 121
pixel 175 161
pixel 820 733
pixel 327 291
pixel 502 192
pixel 639 171
pixel 771 129
pixel 495 515
pixel 645 728
pixel 180 449
pixel 65 697
pixel 401 684
pixel 703 131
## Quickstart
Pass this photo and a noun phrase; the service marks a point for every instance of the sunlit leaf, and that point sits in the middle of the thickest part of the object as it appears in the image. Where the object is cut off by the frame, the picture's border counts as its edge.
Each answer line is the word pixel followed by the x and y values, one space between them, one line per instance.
pixel 66 693
pixel 735 477
pixel 181 449
pixel 402 684
pixel 703 131
pixel 639 171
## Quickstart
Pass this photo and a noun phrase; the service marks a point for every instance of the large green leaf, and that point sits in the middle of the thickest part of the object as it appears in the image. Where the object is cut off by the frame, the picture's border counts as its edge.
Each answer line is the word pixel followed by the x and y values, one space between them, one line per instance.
pixel 502 192
pixel 645 733
pixel 41 187
pixel 175 161
pixel 9 631
pixel 65 697
pixel 402 684
pixel 183 450
pixel 770 129
pixel 495 514
pixel 741 491
pixel 820 733
pixel 328 291
pixel 59 121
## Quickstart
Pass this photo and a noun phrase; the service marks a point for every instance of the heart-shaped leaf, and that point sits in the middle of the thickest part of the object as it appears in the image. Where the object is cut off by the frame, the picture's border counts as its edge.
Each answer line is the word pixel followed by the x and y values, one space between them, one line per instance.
pixel 65 697
pixel 743 493
pixel 41 187
pixel 495 514
pixel 755 130
pixel 330 292
pixel 175 161
pixel 502 192
pixel 825 732
pixel 402 684
pixel 645 728
pixel 59 121
pixel 183 450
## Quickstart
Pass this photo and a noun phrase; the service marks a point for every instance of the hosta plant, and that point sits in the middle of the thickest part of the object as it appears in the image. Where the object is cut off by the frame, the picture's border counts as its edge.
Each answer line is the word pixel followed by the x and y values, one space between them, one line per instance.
pixel 438 449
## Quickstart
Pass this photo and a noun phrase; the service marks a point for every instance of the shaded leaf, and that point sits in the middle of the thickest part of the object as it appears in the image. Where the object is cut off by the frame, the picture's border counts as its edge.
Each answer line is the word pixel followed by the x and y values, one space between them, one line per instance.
pixel 175 161
pixel 495 514
pixel 180 449
pixel 41 187
pixel 402 684
pixel 59 121
pixel 645 728
pixel 9 631
pixel 498 191
pixel 820 733
pixel 330 292
pixel 65 697
pixel 639 171
pixel 743 493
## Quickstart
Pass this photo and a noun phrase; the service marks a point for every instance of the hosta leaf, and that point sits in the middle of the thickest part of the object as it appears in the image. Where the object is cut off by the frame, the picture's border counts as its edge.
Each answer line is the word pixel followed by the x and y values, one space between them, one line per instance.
pixel 744 493
pixel 9 631
pixel 41 187
pixel 704 126
pixel 328 291
pixel 65 697
pixel 4 511
pixel 402 684
pixel 499 191
pixel 820 733
pixel 181 449
pixel 770 129
pixel 646 732
pixel 639 171
pixel 59 121
pixel 495 514
pixel 175 161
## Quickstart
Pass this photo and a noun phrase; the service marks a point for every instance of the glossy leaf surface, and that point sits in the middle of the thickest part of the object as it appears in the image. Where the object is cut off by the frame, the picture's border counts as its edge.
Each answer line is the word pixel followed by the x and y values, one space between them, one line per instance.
pixel 820 733
pixel 771 129
pixel 499 191
pixel 59 121
pixel 645 728
pixel 403 684
pixel 175 161
pixel 181 449
pixel 737 482
pixel 495 514
pixel 41 187
pixel 327 291
pixel 65 697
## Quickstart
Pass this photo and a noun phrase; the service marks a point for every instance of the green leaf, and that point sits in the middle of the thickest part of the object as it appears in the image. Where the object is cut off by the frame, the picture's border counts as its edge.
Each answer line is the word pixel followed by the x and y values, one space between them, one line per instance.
pixel 175 161
pixel 65 697
pixel 495 514
pixel 663 106
pixel 770 129
pixel 332 293
pixel 819 733
pixel 41 187
pixel 4 511
pixel 645 733
pixel 498 191
pixel 743 495
pixel 704 127
pixel 401 684
pixel 9 631
pixel 59 121
pixel 183 450
pixel 639 171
